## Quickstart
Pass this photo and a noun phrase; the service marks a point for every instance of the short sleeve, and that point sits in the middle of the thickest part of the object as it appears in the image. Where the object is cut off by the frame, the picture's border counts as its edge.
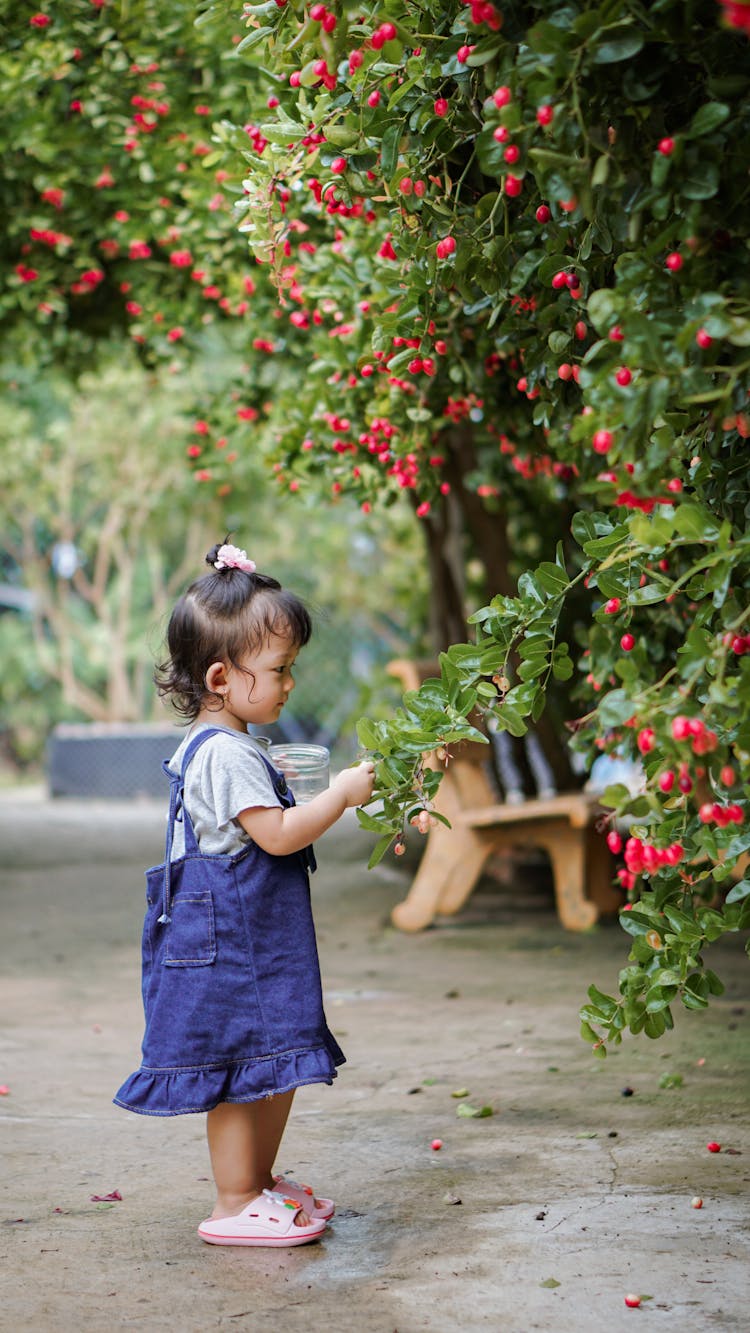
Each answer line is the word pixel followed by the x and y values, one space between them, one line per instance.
pixel 233 777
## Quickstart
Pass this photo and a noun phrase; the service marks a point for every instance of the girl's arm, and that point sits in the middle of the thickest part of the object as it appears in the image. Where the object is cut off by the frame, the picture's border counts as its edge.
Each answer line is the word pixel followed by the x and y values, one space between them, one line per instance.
pixel 280 832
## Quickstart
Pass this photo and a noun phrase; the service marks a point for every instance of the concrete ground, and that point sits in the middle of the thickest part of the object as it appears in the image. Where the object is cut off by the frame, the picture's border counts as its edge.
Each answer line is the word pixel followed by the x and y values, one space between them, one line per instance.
pixel 541 1216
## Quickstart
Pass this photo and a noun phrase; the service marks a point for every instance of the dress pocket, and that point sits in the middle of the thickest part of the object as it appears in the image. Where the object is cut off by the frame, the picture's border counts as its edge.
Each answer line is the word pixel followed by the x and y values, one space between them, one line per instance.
pixel 190 935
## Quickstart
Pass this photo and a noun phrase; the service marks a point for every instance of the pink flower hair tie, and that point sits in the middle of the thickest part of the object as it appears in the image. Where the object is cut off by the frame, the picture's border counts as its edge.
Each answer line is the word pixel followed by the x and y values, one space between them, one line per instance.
pixel 231 557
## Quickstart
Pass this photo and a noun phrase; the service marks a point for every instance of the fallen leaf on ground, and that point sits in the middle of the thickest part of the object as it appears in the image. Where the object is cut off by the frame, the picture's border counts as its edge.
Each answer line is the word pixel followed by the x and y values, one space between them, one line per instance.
pixel 460 1092
pixel 549 1282
pixel 106 1198
pixel 451 1198
pixel 473 1112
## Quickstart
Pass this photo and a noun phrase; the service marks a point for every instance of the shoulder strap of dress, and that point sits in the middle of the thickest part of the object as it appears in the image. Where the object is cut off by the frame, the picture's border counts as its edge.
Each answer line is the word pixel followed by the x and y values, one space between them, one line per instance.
pixel 178 810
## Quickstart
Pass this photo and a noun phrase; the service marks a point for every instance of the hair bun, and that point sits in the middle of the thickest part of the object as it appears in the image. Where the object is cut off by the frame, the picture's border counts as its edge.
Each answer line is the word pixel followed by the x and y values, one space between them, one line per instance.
pixel 226 556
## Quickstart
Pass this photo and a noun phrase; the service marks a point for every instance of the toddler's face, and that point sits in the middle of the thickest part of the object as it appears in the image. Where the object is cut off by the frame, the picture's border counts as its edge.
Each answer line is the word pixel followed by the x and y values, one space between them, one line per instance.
pixel 258 689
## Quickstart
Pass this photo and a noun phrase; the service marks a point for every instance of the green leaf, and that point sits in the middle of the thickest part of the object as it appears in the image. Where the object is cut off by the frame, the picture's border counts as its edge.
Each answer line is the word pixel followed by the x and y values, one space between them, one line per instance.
pixel 696 524
pixel 550 1282
pixel 739 891
pixel 700 181
pixel 553 579
pixel 706 119
pixel 372 824
pixel 510 720
pixel 615 708
pixel 389 149
pixel 467 1112
pixel 379 850
pixel 367 734
pixel 622 42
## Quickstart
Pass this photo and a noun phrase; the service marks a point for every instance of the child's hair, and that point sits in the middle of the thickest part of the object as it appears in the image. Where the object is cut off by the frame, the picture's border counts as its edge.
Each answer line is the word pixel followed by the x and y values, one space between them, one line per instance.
pixel 222 616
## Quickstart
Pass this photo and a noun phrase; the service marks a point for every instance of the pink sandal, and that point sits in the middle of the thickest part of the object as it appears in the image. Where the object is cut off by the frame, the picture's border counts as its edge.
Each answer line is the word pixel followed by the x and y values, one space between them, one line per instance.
pixel 305 1196
pixel 267 1220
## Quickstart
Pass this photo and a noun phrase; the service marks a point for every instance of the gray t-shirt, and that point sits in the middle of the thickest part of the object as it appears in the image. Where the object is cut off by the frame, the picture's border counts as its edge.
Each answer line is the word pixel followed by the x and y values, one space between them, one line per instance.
pixel 224 777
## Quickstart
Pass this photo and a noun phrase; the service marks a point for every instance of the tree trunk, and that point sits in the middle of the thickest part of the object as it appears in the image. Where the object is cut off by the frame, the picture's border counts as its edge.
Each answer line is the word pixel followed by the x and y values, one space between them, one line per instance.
pixel 461 528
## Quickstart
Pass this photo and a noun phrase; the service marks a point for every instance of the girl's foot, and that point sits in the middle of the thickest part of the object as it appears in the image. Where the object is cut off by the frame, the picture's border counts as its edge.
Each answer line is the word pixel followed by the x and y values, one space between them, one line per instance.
pixel 317 1208
pixel 270 1219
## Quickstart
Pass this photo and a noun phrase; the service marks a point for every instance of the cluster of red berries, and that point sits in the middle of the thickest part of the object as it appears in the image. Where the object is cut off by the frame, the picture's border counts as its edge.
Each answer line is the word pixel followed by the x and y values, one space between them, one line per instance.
pixel 445 247
pixel 484 13
pixel 644 856
pixel 711 812
pixel 693 729
pixel 327 20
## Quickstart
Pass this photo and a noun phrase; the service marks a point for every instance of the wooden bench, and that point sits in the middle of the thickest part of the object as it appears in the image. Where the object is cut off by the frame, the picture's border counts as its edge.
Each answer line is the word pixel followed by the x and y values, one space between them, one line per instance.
pixel 453 859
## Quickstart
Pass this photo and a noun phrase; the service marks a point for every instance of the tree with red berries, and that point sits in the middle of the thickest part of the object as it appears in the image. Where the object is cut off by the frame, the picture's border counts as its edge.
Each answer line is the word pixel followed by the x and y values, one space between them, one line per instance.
pixel 500 268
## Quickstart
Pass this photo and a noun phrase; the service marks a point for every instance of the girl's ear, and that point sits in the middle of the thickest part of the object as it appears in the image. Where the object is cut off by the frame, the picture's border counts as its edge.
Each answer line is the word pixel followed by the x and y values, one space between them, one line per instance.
pixel 216 678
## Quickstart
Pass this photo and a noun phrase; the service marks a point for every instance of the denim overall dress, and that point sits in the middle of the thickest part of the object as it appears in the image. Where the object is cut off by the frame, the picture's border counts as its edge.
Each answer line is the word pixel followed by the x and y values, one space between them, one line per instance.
pixel 231 981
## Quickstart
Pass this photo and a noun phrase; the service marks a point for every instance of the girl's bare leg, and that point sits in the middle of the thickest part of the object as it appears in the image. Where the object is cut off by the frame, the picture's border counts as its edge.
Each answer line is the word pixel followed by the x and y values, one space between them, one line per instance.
pixel 243 1140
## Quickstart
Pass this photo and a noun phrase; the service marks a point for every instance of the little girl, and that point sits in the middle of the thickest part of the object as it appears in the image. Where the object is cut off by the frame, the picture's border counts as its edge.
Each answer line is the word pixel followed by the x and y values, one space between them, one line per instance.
pixel 231 982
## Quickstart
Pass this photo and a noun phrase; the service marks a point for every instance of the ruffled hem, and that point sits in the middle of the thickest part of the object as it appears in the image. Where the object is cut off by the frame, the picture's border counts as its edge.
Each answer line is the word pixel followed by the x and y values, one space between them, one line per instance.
pixel 201 1088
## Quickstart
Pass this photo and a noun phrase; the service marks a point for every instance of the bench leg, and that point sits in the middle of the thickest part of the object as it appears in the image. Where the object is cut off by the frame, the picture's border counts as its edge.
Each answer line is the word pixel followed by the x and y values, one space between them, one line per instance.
pixel 567 853
pixel 447 873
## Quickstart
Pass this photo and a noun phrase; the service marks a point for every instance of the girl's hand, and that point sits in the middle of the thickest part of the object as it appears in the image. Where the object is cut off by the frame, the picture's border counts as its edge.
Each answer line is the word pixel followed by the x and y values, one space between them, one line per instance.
pixel 356 784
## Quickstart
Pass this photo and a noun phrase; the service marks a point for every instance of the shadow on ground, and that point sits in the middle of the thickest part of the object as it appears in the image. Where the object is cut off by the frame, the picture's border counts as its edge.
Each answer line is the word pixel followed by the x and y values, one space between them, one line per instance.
pixel 541 1216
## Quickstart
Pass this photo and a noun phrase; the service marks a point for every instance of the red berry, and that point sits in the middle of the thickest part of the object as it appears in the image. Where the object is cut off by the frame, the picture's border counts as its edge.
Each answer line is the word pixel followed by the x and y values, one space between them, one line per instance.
pixel 440 106
pixel 615 334
pixel 624 376
pixel 501 134
pixel 727 776
pixel 374 97
pixel 545 114
pixel 627 643
pixel 329 23
pixel 501 96
pixel 680 727
pixel 632 1301
pixel 338 165
pixel 674 261
pixel 513 186
pixel 565 372
pixel 614 842
pixel 388 30
pixel 560 280
pixel 739 645
pixel 602 441
pixel 612 606
pixel 666 781
pixel 399 849
pixel 318 13
pixel 646 740
pixel 713 1146
pixel 666 147
pixel 706 813
pixel 512 154
pixel 436 1145
pixel 696 1202
pixel 703 339
pixel 543 214
pixel 580 330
